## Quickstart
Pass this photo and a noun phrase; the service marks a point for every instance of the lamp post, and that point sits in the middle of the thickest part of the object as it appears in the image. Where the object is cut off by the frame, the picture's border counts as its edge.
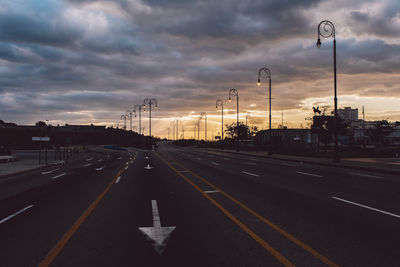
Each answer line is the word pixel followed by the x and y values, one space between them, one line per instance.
pixel 123 116
pixel 234 92
pixel 203 114
pixel 266 73
pixel 150 102
pixel 247 131
pixel 198 129
pixel 326 29
pixel 129 113
pixel 218 103
pixel 139 107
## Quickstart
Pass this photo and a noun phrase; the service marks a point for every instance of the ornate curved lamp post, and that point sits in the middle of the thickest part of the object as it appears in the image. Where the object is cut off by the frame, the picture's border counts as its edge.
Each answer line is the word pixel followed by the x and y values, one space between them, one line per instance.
pixel 139 108
pixel 123 117
pixel 233 92
pixel 220 103
pixel 266 73
pixel 326 29
pixel 203 114
pixel 129 113
pixel 149 102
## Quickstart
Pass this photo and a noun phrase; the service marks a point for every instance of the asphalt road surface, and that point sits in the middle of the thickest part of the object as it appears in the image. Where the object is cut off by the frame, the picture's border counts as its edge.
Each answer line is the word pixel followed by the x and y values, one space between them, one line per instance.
pixel 192 207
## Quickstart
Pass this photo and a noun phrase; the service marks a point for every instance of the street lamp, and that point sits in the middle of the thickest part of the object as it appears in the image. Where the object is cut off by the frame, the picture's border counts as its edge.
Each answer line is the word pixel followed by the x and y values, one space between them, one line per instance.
pixel 203 114
pixel 326 29
pixel 266 73
pixel 218 103
pixel 234 92
pixel 129 113
pixel 150 102
pixel 139 107
pixel 123 117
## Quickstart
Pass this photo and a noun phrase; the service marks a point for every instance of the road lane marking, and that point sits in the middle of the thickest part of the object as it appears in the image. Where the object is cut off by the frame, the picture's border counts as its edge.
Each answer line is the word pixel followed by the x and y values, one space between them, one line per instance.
pixel 257 238
pixel 309 174
pixel 157 234
pixel 266 221
pixel 211 191
pixel 251 163
pixel 67 236
pixel 100 160
pixel 119 158
pixel 15 214
pixel 226 159
pixel 47 172
pixel 58 176
pixel 88 164
pixel 117 181
pixel 367 207
pixel 215 163
pixel 89 159
pixel 287 164
pixel 101 168
pixel 252 174
pixel 366 175
pixel 199 158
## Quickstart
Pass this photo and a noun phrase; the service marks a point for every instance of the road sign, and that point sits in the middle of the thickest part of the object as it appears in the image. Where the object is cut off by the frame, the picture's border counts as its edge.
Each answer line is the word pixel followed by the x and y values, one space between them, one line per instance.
pixel 42 139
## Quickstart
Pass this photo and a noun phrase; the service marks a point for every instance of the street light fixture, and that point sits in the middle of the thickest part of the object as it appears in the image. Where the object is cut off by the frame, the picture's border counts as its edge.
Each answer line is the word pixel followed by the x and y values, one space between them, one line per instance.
pixel 150 102
pixel 203 114
pixel 233 92
pixel 266 73
pixel 123 117
pixel 220 103
pixel 326 29
pixel 139 107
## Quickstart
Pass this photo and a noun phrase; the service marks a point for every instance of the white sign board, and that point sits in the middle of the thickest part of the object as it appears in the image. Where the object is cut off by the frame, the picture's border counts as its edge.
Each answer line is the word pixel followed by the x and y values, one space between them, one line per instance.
pixel 43 139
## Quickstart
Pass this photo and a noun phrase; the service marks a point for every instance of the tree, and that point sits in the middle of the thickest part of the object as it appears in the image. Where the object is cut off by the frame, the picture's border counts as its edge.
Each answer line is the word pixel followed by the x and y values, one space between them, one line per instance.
pixel 381 131
pixel 244 131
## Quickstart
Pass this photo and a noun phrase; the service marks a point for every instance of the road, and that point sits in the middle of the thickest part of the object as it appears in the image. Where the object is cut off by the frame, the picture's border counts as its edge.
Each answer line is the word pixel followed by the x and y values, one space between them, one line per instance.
pixel 193 207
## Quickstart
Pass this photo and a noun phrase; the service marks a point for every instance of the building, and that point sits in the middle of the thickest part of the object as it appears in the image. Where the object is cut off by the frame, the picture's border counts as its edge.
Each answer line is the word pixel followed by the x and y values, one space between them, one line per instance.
pixel 348 114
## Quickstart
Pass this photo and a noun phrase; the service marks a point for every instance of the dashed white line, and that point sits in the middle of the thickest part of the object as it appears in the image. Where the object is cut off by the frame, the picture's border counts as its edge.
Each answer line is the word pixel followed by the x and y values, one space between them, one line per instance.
pixel 47 172
pixel 89 159
pixel 86 165
pixel 366 175
pixel 367 207
pixel 309 174
pixel 15 214
pixel 211 191
pixel 117 181
pixel 215 163
pixel 100 160
pixel 58 176
pixel 252 174
pixel 100 169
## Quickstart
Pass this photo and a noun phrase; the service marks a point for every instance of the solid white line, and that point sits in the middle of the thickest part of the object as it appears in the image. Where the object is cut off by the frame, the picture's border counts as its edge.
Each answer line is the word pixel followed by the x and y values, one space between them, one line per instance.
pixel 58 176
pixel 309 174
pixel 50 171
pixel 119 178
pixel 86 165
pixel 366 175
pixel 211 191
pixel 215 163
pixel 251 163
pixel 252 174
pixel 15 214
pixel 370 208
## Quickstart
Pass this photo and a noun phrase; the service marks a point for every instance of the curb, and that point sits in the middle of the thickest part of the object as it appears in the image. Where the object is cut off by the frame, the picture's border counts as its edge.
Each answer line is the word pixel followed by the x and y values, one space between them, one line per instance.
pixel 319 163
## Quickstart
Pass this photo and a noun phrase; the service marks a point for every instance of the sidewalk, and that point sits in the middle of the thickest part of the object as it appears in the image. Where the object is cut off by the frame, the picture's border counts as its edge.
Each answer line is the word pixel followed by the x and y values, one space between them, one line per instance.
pixel 385 165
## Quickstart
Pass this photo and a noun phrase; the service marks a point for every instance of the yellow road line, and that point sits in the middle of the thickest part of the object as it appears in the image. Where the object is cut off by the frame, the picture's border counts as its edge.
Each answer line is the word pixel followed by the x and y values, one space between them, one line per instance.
pixel 259 240
pixel 67 236
pixel 269 223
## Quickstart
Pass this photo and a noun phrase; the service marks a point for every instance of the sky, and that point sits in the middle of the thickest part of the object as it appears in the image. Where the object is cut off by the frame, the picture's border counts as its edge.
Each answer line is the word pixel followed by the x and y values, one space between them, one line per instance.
pixel 86 61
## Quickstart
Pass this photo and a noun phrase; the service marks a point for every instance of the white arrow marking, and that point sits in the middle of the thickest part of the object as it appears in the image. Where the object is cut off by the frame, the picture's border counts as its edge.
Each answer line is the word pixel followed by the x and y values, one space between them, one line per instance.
pixel 157 235
pixel 100 169
pixel 148 167
pixel 50 171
